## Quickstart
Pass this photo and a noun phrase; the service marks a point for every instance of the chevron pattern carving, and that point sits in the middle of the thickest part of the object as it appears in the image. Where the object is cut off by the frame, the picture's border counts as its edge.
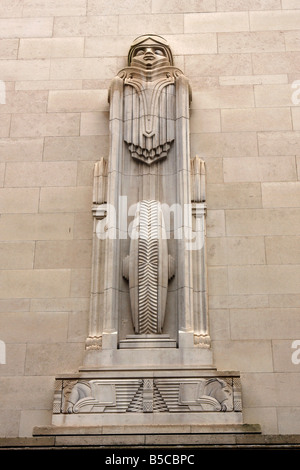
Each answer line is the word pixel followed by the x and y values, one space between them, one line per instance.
pixel 148 267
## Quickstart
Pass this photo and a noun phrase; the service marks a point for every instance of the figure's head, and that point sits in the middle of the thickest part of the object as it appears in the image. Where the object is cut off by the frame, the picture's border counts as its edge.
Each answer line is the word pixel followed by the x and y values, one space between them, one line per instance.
pixel 150 51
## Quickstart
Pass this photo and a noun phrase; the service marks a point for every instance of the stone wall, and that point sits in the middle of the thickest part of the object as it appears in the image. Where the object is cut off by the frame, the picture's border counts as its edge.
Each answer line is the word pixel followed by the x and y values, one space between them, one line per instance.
pixel 57 59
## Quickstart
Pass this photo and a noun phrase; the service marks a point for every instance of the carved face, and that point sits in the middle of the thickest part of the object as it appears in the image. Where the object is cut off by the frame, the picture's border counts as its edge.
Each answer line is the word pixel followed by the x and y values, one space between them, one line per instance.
pixel 150 52
pixel 149 56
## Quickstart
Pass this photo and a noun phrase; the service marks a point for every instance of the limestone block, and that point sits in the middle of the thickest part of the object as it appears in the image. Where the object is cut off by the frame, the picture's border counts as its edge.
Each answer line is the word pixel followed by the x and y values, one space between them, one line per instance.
pixel 49 85
pixel 2 172
pixel 54 8
pixel 75 148
pixel 55 358
pixel 216 22
pixel 80 283
pixel 276 62
pixel 263 222
pixel 205 120
pixel 253 79
pixel 52 124
pixel 234 355
pixel 31 101
pixel 266 416
pixel 238 301
pixel 283 194
pixel 219 324
pixel 215 223
pixel 78 322
pixel 220 64
pixel 77 101
pixel 290 4
pixel 73 26
pixel 31 393
pixel 32 149
pixel 226 144
pixel 34 283
pixel 296 118
pixel 110 46
pixel 85 173
pixel 15 360
pixel 94 123
pixel 256 119
pixel 26 27
pixel 9 422
pixel 82 68
pixel 44 48
pixel 30 418
pixel 115 7
pixel 264 279
pixel 288 419
pixel 217 280
pixel 188 44
pixel 19 200
pixel 273 95
pixel 264 323
pixel 36 227
pixel 72 199
pixel 34 327
pixel 235 251
pixel 83 225
pixel 63 254
pixel 298 166
pixel 14 305
pixel 236 5
pixel 16 255
pixel 279 389
pixel 9 48
pixel 269 41
pixel 284 300
pixel 26 174
pixel 59 305
pixel 224 97
pixel 233 195
pixel 11 8
pixel 292 40
pixel 274 20
pixel 279 143
pixel 4 124
pixel 214 170
pixel 283 250
pixel 183 6
pixel 259 169
pixel 160 23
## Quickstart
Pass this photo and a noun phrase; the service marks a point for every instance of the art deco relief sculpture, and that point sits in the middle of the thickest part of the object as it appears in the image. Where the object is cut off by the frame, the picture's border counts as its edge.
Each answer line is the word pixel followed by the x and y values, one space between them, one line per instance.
pixel 148 358
pixel 149 165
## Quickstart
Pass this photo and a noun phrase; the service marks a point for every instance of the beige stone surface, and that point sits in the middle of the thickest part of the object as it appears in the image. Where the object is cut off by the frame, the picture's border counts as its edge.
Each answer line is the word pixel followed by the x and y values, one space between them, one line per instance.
pixel 236 5
pixel 36 227
pixel 208 65
pixel 52 124
pixel 296 118
pixel 216 22
pixel 37 390
pixel 267 416
pixel 226 144
pixel 78 101
pixel 290 4
pixel 258 119
pixel 54 358
pixel 235 251
pixel 15 360
pixel 80 26
pixel 38 48
pixel 70 199
pixel 19 200
pixel 281 194
pixel 9 48
pixel 62 254
pixel 34 283
pixel 274 95
pixel 54 8
pixel 274 20
pixel 269 279
pixel 27 174
pixel 224 97
pixel 253 79
pixel 288 420
pixel 9 423
pixel 26 27
pixel 260 169
pixel 75 148
pixel 232 195
pixel 32 149
pixel 278 143
pixel 263 222
pixel 265 41
pixel 283 250
pixel 234 355
pixel 17 255
pixel 276 62
pixel 29 418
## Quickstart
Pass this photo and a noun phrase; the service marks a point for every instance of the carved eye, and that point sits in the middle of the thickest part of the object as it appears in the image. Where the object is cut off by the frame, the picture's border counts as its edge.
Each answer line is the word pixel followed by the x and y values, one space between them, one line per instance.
pixel 140 52
pixel 159 52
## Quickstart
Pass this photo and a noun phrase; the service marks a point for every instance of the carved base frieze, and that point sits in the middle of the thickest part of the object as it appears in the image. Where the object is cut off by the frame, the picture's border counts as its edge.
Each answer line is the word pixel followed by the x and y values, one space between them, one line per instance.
pixel 148 395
